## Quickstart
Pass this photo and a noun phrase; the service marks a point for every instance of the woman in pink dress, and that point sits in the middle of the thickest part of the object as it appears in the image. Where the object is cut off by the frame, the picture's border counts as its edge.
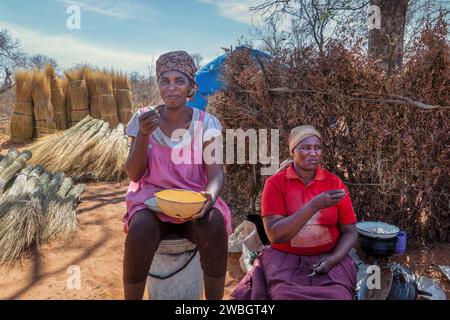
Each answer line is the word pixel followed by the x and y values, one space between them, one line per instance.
pixel 151 167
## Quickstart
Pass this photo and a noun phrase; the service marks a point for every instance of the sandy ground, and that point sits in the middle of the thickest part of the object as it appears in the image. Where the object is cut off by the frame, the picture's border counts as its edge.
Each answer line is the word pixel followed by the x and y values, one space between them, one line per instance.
pixel 97 250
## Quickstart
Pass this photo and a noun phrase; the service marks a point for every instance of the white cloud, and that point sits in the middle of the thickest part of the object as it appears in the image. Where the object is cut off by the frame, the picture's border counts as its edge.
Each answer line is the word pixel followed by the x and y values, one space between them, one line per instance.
pixel 69 50
pixel 120 9
pixel 238 10
pixel 106 8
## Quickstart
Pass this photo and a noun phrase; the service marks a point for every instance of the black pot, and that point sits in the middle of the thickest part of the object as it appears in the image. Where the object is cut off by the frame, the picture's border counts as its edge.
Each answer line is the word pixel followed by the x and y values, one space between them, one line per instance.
pixel 398 283
pixel 377 247
pixel 404 284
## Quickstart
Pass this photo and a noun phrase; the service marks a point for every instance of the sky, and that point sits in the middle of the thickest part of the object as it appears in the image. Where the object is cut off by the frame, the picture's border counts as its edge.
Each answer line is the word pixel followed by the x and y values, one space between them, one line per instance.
pixel 126 34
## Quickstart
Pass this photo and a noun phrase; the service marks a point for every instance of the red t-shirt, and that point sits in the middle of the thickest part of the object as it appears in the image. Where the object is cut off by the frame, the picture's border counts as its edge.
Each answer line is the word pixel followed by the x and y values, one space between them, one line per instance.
pixel 284 193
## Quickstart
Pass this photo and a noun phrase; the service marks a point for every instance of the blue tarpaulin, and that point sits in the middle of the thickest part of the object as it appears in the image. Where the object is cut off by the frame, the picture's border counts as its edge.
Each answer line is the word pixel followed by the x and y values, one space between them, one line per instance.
pixel 209 78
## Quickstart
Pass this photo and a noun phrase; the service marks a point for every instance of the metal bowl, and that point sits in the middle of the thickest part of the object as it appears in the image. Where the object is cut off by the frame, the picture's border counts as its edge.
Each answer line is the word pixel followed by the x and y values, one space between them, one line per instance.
pixel 377 229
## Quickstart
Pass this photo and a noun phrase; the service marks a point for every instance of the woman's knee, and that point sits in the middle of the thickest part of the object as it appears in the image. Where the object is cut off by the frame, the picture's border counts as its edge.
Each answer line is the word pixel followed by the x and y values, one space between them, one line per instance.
pixel 212 242
pixel 212 224
pixel 144 228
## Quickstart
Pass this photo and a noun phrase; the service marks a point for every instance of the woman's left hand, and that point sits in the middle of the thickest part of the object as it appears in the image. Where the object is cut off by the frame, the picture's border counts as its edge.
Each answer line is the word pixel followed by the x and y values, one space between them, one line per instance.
pixel 206 206
pixel 325 264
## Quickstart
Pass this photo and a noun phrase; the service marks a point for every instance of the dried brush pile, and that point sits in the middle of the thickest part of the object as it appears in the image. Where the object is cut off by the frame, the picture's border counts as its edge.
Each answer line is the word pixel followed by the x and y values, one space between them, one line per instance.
pixel 386 137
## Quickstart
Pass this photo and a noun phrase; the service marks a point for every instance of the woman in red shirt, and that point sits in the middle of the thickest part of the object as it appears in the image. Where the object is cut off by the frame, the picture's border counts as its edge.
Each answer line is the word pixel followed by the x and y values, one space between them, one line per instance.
pixel 309 219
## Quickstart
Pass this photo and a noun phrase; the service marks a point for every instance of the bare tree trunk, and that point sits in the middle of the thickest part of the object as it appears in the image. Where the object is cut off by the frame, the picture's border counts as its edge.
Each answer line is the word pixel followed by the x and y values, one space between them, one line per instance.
pixel 386 43
pixel 7 83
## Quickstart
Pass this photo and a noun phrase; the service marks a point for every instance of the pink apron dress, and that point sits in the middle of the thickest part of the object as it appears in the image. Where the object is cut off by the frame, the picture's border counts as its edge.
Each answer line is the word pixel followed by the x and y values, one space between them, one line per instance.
pixel 163 173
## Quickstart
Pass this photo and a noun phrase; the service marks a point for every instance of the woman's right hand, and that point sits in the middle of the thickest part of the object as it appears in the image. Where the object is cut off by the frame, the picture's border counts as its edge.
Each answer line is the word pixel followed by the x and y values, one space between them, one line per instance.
pixel 148 122
pixel 328 199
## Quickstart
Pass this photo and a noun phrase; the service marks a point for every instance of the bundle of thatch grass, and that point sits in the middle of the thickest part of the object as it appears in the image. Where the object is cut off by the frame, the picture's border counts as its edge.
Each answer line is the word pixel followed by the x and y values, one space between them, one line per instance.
pixel 21 125
pixel 61 217
pixel 51 149
pixel 65 84
pixel 35 207
pixel 43 108
pixel 57 98
pixel 21 220
pixel 111 155
pixel 90 150
pixel 102 103
pixel 9 168
pixel 78 96
pixel 122 95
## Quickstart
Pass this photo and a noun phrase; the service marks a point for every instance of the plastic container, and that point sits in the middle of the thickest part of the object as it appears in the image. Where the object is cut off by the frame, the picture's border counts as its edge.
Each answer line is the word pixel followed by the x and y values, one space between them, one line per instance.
pixel 175 273
pixel 400 247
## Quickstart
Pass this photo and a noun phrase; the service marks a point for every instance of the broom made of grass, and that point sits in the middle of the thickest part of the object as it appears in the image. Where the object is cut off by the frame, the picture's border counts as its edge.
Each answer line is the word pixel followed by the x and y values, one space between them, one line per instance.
pixel 44 180
pixel 51 199
pixel 16 190
pixel 12 155
pixel 61 218
pixel 47 151
pixel 68 215
pixel 9 172
pixel 63 158
pixel 110 156
pixel 75 163
pixel 20 226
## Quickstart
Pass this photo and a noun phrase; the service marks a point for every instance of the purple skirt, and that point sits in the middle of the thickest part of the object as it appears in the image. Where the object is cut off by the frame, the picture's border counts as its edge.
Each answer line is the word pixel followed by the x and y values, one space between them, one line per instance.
pixel 280 275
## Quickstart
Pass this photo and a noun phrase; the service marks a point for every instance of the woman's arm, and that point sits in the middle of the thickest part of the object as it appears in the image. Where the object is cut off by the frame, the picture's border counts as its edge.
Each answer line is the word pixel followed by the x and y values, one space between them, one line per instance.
pixel 282 229
pixel 347 241
pixel 216 178
pixel 137 158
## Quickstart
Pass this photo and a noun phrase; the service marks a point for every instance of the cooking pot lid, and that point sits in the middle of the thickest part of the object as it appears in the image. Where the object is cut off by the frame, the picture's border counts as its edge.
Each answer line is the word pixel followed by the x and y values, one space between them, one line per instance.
pixel 377 229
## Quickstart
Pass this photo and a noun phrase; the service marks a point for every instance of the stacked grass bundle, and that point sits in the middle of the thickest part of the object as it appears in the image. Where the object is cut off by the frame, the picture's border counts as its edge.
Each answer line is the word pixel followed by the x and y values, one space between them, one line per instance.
pixel 57 98
pixel 89 150
pixel 102 103
pixel 60 219
pixel 65 87
pixel 21 220
pixel 43 108
pixel 122 95
pixel 11 165
pixel 78 96
pixel 36 206
pixel 21 126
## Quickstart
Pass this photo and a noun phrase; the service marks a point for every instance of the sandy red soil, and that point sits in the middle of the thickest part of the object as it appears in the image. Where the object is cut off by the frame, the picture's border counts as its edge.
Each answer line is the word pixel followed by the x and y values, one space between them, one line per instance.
pixel 97 248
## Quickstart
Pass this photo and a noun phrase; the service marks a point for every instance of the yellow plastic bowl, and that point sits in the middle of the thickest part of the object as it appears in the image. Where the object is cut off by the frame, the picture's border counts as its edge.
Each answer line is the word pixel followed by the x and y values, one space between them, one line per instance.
pixel 179 203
